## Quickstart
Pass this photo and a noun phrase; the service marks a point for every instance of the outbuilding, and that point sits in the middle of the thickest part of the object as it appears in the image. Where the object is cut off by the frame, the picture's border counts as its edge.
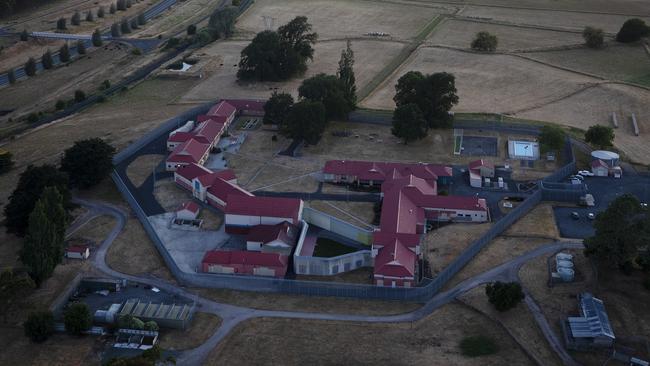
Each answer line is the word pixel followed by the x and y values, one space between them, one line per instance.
pixel 599 168
pixel 77 252
pixel 478 170
pixel 188 211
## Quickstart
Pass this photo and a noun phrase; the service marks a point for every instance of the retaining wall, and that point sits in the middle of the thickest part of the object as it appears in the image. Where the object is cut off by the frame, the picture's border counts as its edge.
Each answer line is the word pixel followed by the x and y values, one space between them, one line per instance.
pixel 335 225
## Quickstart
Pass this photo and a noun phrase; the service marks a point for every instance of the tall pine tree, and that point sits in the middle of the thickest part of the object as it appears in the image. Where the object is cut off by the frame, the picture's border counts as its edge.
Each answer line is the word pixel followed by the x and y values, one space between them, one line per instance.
pixel 345 73
pixel 36 253
pixel 53 205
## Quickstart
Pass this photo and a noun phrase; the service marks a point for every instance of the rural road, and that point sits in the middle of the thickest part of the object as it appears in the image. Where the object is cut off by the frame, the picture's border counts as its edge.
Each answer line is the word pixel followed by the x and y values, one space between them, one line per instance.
pixel 233 315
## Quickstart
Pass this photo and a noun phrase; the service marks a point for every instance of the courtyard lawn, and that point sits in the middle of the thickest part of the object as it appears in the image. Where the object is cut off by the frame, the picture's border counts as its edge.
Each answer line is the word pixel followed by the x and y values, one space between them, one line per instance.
pixel 329 248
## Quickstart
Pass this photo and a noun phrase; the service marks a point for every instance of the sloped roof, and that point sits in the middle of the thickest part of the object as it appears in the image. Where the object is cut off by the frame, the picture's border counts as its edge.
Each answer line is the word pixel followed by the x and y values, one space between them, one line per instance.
pixel 227 191
pixel 480 163
pixel 369 170
pixel 242 257
pixel 190 206
pixel 263 206
pixel 594 321
pixel 191 171
pixel 222 109
pixel 77 248
pixel 395 260
pixel 191 151
pixel 180 137
pixel 208 131
pixel 283 231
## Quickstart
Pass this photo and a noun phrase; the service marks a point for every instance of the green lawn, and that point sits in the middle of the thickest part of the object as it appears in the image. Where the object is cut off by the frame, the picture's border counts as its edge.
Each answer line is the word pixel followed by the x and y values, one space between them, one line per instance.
pixel 329 248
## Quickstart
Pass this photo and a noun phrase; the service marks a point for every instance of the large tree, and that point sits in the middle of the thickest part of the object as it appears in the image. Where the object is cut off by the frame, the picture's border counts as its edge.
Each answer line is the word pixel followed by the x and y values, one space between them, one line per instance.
pixel 620 231
pixel 77 318
pixel 409 123
pixel 88 162
pixel 30 67
pixel 260 59
pixel 13 286
pixel 504 295
pixel 434 94
pixel 594 37
pixel 305 121
pixel 277 108
pixel 551 138
pixel 601 136
pixel 297 41
pixel 632 30
pixel 345 74
pixel 36 253
pixel 29 189
pixel 329 90
pixel 53 206
pixel 222 22
pixel 485 42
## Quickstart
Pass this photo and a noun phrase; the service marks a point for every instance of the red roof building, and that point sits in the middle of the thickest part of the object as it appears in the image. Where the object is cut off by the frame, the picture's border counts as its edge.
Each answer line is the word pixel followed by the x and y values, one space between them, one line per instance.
pixel 245 263
pixel 396 266
pixel 191 151
pixel 478 170
pixel 220 191
pixel 243 212
pixel 209 132
pixel 374 173
pixel 188 211
pixel 77 252
pixel 184 175
pixel 222 112
pixel 279 238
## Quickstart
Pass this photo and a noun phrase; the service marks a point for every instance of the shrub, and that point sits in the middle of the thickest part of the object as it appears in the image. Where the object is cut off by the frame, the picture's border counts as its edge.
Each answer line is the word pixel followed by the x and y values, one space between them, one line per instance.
pixel 274 138
pixel 100 12
pixel 476 346
pixel 504 295
pixel 112 9
pixel 11 76
pixel 77 318
pixel 125 27
pixel 76 18
pixel 191 30
pixel 79 96
pixel 632 31
pixel 173 42
pixel 105 85
pixel 24 36
pixel 33 118
pixel 485 42
pixel 64 53
pixel 47 61
pixel 61 24
pixel 151 325
pixel 130 322
pixel 60 104
pixel 30 67
pixel 141 19
pixel 136 51
pixel 89 16
pixel 594 37
pixel 39 326
pixel 115 30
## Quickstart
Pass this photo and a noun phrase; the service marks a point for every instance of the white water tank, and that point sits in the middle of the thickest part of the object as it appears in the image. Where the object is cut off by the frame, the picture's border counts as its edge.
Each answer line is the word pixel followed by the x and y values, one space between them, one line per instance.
pixel 566 274
pixel 564 256
pixel 564 264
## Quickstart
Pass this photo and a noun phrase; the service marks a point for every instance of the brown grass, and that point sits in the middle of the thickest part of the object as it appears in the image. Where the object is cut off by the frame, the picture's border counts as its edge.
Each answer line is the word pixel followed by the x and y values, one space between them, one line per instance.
pixel 169 195
pixel 211 220
pixel 360 275
pixel 142 167
pixel 540 222
pixel 357 213
pixel 95 230
pixel 331 305
pixel 441 246
pixel 431 341
pixel 202 327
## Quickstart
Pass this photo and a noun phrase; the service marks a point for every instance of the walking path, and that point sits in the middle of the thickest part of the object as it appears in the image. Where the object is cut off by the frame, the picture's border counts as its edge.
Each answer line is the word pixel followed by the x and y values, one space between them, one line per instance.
pixel 233 315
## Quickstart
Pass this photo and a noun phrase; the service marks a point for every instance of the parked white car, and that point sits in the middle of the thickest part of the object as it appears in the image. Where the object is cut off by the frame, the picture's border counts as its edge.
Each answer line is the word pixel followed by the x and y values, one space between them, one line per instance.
pixel 578 177
pixel 586 173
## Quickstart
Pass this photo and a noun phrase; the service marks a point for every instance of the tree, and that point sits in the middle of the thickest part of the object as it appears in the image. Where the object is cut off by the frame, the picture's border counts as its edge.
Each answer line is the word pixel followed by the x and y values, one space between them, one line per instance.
pixel 121 5
pixel 89 16
pixel 594 37
pixel 11 76
pixel 551 138
pixel 115 30
pixel 504 295
pixel 13 287
pixel 97 38
pixel 485 42
pixel 222 22
pixel 6 161
pixel 24 36
pixel 260 59
pixel 632 30
pixel 39 326
pixel 151 326
pixel 64 53
pixel 277 108
pixel 79 96
pixel 61 24
pixel 36 251
pixel 76 18
pixel 434 94
pixel 409 123
pixel 55 212
pixel 305 121
pixel 134 23
pixel 47 61
pixel 60 105
pixel 30 187
pixel 112 9
pixel 106 84
pixel 141 19
pixel 101 12
pixel 130 322
pixel 297 47
pixel 620 231
pixel 191 30
pixel 345 74
pixel 77 318
pixel 601 136
pixel 124 26
pixel 329 90
pixel 88 162
pixel 30 67
pixel 81 45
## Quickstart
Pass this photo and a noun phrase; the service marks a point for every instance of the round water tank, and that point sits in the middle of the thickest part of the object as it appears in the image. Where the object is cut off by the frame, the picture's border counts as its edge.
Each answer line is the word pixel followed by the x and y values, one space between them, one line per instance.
pixel 609 157
pixel 564 256
pixel 566 274
pixel 564 264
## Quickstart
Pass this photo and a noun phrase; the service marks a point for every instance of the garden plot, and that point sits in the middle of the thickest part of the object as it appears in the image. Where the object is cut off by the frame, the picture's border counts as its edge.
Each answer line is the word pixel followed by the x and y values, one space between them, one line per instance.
pixel 549 18
pixel 460 33
pixel 342 18
pixel 615 62
pixel 486 83
pixel 370 58
pixel 595 105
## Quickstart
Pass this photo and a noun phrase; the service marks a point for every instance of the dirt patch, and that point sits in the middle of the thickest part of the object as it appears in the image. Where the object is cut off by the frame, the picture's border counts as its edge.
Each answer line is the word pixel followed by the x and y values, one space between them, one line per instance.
pixel 442 245
pixel 461 33
pixel 211 220
pixel 357 213
pixel 330 305
pixel 485 82
pixel 431 341
pixel 202 327
pixel 142 167
pixel 540 222
pixel 362 275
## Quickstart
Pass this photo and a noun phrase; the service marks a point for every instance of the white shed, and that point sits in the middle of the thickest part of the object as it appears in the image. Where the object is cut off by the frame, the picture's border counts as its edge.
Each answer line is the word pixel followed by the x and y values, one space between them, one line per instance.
pixel 77 252
pixel 188 211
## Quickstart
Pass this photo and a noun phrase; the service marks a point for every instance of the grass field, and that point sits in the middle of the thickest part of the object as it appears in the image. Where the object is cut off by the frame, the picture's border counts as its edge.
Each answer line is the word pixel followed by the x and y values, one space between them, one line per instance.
pixel 327 248
pixel 203 325
pixel 441 246
pixel 142 167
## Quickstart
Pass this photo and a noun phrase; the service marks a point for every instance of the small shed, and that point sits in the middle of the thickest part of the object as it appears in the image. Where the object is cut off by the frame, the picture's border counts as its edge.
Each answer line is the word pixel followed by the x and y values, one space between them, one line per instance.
pixel 77 252
pixel 479 169
pixel 188 211
pixel 599 168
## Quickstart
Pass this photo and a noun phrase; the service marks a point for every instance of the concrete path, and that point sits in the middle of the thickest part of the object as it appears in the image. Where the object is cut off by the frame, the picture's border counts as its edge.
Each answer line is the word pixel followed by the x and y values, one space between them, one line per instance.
pixel 233 315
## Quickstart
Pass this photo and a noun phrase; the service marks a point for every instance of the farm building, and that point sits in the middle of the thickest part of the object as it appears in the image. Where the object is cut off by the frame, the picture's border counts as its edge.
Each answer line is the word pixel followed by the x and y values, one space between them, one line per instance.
pixel 188 211
pixel 207 132
pixel 244 212
pixel 279 238
pixel 523 150
pixel 478 170
pixel 592 328
pixel 375 173
pixel 165 315
pixel 184 175
pixel 245 263
pixel 77 252
pixel 599 168
pixel 190 151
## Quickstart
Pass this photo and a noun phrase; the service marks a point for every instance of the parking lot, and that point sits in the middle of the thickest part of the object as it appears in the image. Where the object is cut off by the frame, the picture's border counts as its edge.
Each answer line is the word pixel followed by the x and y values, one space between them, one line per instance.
pixel 604 190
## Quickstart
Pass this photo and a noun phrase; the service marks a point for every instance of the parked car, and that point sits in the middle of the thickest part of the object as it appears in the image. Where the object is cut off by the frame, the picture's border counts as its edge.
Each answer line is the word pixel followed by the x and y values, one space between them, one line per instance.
pixel 644 205
pixel 514 199
pixel 585 173
pixel 591 216
pixel 575 215
pixel 578 177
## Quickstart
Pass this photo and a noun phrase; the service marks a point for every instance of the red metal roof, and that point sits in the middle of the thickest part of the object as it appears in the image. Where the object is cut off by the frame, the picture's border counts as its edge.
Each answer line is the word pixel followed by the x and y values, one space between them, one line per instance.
pixel 191 151
pixel 180 137
pixel 283 231
pixel 479 163
pixel 191 171
pixel 190 206
pixel 380 171
pixel 226 191
pixel 226 174
pixel 247 104
pixel 395 260
pixel 208 131
pixel 222 109
pixel 242 257
pixel 77 248
pixel 264 206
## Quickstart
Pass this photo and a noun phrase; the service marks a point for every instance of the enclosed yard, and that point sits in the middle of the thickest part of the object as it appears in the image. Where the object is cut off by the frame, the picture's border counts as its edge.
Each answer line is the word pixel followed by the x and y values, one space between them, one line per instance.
pixel 329 248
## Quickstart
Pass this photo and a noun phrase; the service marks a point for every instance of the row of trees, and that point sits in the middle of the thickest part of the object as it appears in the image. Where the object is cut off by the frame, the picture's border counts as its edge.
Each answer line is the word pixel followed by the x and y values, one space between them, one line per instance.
pixel 126 26
pixel 321 98
pixel 76 18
